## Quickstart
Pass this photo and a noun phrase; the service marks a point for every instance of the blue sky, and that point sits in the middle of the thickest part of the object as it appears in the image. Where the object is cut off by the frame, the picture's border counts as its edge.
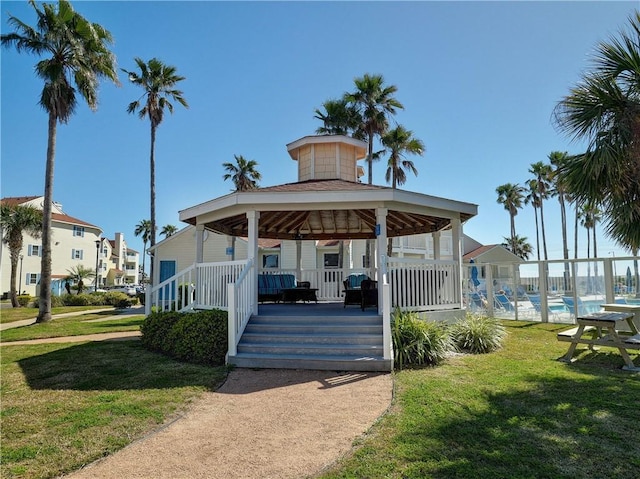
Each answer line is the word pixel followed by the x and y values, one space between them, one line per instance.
pixel 478 80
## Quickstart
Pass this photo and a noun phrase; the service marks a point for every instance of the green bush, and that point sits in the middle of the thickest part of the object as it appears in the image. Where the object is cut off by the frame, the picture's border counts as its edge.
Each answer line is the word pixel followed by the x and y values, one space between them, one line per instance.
pixel 199 337
pixel 77 300
pixel 478 334
pixel 56 301
pixel 24 300
pixel 418 342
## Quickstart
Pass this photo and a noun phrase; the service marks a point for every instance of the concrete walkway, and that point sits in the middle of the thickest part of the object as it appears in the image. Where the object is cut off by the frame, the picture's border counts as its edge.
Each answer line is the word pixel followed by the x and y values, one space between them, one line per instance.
pixel 118 314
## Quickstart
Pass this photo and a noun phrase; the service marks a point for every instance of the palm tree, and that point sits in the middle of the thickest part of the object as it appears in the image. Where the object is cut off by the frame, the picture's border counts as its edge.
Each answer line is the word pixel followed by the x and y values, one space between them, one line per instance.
pixel 374 102
pixel 16 220
pixel 245 177
pixel 603 110
pixel 339 118
pixel 143 228
pixel 243 174
pixel 590 215
pixel 533 199
pixel 158 82
pixel 168 230
pixel 80 273
pixel 542 172
pixel 511 197
pixel 519 246
pixel 79 55
pixel 558 159
pixel 399 142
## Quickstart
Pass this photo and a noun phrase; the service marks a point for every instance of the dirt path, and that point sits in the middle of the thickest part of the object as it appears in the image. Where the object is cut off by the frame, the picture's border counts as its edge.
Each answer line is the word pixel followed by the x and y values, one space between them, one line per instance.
pixel 269 423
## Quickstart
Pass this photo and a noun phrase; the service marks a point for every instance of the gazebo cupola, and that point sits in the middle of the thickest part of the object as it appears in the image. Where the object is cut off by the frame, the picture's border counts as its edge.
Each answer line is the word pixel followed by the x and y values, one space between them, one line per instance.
pixel 329 157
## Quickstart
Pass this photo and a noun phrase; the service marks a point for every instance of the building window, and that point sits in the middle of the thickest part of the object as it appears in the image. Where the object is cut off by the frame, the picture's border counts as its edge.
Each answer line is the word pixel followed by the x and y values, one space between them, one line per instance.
pixel 270 260
pixel 104 252
pixel 35 250
pixel 32 278
pixel 76 254
pixel 331 260
pixel 78 231
pixel 365 261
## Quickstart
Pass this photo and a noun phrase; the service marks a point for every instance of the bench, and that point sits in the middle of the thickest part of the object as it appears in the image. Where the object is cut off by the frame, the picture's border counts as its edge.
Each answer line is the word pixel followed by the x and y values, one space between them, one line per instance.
pixel 271 286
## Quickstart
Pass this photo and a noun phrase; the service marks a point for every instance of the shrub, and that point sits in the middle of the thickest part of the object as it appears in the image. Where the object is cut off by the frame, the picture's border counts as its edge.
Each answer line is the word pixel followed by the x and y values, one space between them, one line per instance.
pixel 199 337
pixel 57 301
pixel 24 300
pixel 417 342
pixel 77 300
pixel 478 334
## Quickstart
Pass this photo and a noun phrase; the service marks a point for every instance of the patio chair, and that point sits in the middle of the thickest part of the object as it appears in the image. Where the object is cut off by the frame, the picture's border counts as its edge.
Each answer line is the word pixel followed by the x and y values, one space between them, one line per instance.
pixel 503 303
pixel 537 305
pixel 352 289
pixel 569 303
pixel 477 301
pixel 368 293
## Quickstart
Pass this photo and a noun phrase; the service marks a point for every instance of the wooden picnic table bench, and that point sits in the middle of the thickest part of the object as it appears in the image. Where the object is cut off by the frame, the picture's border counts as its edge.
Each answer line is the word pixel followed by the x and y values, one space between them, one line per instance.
pixel 603 332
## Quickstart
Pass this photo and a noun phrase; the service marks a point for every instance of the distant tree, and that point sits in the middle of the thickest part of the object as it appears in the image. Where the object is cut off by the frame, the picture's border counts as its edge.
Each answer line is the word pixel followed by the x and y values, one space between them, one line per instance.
pixel 602 109
pixel 243 173
pixel 339 118
pixel 158 82
pixel 80 273
pixel 519 246
pixel 78 54
pixel 15 221
pixel 542 172
pixel 374 102
pixel 511 197
pixel 168 230
pixel 533 199
pixel 143 229
pixel 399 142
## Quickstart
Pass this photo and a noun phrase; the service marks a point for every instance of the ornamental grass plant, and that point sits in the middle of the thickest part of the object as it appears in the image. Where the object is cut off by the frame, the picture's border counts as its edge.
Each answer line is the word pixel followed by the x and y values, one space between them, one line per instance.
pixel 478 334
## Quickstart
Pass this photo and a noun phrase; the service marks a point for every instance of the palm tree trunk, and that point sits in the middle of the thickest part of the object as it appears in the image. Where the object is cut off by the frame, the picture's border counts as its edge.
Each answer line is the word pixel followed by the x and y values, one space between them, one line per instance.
pixel 513 231
pixel 544 235
pixel 144 254
pixel 44 312
pixel 12 288
pixel 575 234
pixel 595 255
pixel 535 212
pixel 370 159
pixel 565 247
pixel 152 190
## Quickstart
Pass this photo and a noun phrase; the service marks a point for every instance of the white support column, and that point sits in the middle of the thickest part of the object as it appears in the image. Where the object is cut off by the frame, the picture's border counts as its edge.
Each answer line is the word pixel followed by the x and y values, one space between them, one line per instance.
pixel 381 251
pixel 436 245
pixel 199 243
pixel 456 246
pixel 252 253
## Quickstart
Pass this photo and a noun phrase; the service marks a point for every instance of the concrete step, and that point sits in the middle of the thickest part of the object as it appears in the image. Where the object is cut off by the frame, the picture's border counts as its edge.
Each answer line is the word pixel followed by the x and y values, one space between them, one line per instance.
pixel 325 337
pixel 320 329
pixel 317 320
pixel 312 348
pixel 323 362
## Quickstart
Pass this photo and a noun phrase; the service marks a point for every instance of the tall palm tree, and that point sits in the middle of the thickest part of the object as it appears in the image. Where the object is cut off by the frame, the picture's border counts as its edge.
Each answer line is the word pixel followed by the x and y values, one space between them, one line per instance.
pixel 339 118
pixel 77 54
pixel 602 109
pixel 17 220
pixel 374 102
pixel 590 215
pixel 511 197
pixel 558 159
pixel 158 82
pixel 143 229
pixel 542 172
pixel 533 199
pixel 80 273
pixel 169 230
pixel 400 141
pixel 243 173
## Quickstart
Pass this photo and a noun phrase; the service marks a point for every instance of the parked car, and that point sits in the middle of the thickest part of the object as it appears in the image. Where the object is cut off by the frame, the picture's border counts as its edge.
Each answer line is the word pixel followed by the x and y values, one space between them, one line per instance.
pixel 124 288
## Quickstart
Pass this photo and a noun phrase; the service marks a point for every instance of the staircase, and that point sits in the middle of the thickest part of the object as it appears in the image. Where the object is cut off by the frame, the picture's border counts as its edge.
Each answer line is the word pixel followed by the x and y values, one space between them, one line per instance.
pixel 339 343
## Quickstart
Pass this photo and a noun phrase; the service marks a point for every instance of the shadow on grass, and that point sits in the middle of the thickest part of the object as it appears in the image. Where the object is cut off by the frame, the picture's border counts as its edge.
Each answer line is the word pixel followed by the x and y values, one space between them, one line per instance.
pixel 112 365
pixel 584 427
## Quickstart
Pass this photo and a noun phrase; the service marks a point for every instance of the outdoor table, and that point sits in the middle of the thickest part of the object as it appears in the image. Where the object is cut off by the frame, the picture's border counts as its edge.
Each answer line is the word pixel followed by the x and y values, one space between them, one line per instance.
pixel 292 295
pixel 634 324
pixel 596 323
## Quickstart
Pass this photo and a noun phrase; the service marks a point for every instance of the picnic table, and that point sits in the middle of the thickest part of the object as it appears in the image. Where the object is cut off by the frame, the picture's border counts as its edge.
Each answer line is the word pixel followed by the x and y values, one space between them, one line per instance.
pixel 625 308
pixel 602 329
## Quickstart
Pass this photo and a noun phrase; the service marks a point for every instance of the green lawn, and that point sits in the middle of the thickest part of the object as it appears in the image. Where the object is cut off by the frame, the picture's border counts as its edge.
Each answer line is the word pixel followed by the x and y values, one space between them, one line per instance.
pixel 9 315
pixel 517 413
pixel 65 405
pixel 73 326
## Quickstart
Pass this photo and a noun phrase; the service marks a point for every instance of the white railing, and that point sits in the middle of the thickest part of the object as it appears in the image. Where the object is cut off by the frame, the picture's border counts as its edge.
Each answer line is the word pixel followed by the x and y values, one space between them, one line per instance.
pixel 241 301
pixel 212 283
pixel 387 343
pixel 173 294
pixel 424 285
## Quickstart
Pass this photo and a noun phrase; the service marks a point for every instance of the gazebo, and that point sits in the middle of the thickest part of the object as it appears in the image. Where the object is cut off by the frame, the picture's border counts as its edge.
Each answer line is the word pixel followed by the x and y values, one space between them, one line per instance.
pixel 327 202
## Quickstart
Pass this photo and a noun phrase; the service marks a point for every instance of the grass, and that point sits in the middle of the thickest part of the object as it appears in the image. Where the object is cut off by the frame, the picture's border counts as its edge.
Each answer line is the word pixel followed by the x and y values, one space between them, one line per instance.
pixel 66 405
pixel 73 326
pixel 9 315
pixel 516 413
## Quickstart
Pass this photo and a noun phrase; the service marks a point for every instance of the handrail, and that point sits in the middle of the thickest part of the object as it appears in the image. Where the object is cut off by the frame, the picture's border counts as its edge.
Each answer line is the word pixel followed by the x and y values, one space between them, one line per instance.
pixel 241 296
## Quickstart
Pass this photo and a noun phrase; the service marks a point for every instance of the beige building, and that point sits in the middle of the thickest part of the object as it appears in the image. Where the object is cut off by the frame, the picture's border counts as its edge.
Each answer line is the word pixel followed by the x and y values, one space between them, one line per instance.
pixel 74 242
